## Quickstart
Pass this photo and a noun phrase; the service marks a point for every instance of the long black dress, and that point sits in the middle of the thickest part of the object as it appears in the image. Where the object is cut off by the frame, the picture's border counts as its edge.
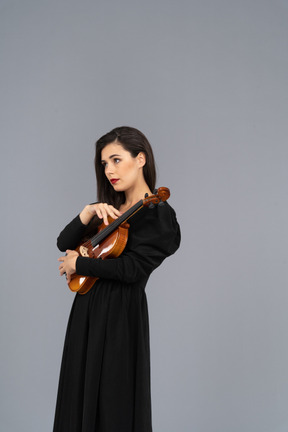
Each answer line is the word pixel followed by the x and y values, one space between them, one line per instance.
pixel 104 381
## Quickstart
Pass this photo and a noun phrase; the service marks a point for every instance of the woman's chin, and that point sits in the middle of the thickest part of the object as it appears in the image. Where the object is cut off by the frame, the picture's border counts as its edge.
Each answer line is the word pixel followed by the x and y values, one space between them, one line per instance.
pixel 118 188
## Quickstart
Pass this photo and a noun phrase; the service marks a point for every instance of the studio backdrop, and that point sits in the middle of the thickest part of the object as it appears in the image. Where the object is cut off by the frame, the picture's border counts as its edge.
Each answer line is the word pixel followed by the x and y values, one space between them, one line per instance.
pixel 206 82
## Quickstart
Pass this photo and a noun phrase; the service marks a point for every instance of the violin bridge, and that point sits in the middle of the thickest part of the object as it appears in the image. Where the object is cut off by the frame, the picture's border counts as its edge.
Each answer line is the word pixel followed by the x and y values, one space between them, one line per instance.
pixel 84 251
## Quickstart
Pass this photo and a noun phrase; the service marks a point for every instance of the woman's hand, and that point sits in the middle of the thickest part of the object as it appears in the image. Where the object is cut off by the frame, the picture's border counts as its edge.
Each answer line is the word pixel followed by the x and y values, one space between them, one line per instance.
pixel 68 264
pixel 102 210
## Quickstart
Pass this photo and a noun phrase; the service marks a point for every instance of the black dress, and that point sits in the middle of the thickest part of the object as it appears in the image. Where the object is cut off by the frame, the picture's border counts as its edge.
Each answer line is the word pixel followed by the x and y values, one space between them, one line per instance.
pixel 104 381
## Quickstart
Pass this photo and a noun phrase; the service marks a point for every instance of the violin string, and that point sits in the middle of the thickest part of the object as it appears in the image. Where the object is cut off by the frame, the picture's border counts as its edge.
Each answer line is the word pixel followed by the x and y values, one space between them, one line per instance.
pixel 117 222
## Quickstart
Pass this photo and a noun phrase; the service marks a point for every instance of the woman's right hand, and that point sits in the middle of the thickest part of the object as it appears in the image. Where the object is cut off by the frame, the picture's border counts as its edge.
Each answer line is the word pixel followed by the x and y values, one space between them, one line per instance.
pixel 102 210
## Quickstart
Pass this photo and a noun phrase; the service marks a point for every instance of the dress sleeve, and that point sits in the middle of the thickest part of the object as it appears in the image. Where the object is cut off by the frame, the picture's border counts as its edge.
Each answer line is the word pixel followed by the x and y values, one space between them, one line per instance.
pixel 156 235
pixel 71 235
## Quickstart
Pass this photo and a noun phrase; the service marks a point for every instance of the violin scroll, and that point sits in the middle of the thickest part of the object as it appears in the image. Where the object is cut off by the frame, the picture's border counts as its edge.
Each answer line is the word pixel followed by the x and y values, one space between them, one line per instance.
pixel 160 195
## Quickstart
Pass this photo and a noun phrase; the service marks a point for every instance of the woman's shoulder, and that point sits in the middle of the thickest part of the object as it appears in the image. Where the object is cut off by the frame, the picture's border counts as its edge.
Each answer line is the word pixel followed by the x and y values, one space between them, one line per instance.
pixel 157 221
pixel 158 227
pixel 155 213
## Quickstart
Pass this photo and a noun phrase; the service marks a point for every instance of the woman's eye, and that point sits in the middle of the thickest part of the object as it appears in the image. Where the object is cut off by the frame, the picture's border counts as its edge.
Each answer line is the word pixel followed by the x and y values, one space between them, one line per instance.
pixel 116 160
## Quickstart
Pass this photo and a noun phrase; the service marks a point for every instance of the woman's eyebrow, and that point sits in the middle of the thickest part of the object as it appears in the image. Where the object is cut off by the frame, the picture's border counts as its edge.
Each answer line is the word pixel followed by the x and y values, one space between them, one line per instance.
pixel 110 157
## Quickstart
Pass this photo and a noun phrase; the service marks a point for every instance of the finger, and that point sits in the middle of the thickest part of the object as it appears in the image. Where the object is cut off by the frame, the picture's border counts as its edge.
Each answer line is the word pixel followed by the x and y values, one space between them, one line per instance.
pixel 105 214
pixel 62 269
pixel 111 211
pixel 103 210
pixel 105 217
pixel 114 213
pixel 99 213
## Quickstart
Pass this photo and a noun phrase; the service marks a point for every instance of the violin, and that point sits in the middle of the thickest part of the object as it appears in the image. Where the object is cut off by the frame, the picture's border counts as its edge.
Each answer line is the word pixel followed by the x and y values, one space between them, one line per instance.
pixel 110 240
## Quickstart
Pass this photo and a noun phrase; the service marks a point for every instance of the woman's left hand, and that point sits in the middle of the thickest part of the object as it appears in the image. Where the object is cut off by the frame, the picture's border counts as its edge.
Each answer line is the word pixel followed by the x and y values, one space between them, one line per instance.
pixel 68 264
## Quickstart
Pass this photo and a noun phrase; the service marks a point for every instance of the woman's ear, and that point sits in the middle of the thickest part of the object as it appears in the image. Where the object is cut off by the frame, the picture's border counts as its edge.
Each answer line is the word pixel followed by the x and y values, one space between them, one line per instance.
pixel 141 157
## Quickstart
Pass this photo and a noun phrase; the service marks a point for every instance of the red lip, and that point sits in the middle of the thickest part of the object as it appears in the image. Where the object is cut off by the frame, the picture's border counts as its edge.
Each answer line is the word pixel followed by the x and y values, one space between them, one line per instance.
pixel 113 181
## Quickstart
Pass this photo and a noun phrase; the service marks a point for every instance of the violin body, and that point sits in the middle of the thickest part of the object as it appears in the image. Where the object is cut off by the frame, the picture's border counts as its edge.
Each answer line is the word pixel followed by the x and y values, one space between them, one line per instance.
pixel 110 240
pixel 111 247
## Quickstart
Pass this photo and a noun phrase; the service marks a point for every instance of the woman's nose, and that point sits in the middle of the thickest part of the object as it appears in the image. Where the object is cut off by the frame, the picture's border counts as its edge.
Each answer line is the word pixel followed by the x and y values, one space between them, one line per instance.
pixel 109 169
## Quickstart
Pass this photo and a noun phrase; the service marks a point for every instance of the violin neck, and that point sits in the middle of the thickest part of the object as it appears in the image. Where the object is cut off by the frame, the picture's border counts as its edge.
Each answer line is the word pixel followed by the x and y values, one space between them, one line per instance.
pixel 116 223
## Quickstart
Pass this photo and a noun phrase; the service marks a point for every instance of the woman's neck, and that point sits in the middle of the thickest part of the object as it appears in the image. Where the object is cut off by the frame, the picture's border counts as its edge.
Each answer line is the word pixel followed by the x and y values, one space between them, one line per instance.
pixel 133 196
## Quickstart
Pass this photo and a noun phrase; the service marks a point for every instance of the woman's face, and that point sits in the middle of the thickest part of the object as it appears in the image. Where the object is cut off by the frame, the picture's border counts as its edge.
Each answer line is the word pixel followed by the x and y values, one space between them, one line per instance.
pixel 121 169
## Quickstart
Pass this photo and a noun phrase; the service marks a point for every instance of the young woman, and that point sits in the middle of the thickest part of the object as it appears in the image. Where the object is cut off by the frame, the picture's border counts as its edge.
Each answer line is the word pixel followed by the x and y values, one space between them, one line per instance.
pixel 105 373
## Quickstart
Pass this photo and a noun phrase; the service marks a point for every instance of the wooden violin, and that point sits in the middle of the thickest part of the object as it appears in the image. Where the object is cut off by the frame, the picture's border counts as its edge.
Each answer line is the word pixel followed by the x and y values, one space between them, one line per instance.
pixel 110 240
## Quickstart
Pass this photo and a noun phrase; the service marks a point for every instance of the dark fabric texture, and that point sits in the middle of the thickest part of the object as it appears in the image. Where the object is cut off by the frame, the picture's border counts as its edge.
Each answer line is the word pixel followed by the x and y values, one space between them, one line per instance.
pixel 104 381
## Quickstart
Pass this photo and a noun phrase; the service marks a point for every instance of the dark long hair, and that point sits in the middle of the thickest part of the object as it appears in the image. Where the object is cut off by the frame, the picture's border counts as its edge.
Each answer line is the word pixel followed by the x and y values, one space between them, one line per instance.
pixel 133 141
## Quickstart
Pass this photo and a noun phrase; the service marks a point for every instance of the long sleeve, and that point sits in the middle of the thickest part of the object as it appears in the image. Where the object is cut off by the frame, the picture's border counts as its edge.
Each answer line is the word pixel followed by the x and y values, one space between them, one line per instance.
pixel 155 234
pixel 71 235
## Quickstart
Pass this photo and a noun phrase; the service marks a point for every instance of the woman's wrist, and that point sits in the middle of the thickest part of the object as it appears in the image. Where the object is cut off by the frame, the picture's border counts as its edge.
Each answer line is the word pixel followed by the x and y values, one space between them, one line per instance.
pixel 85 215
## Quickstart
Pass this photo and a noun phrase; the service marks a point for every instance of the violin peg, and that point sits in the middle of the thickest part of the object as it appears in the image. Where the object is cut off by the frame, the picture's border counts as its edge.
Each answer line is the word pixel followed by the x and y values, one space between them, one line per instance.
pixel 151 205
pixel 146 195
pixel 161 203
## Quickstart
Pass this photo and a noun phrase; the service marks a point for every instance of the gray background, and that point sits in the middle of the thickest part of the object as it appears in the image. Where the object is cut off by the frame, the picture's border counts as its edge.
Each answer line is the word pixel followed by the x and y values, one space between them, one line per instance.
pixel 206 81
